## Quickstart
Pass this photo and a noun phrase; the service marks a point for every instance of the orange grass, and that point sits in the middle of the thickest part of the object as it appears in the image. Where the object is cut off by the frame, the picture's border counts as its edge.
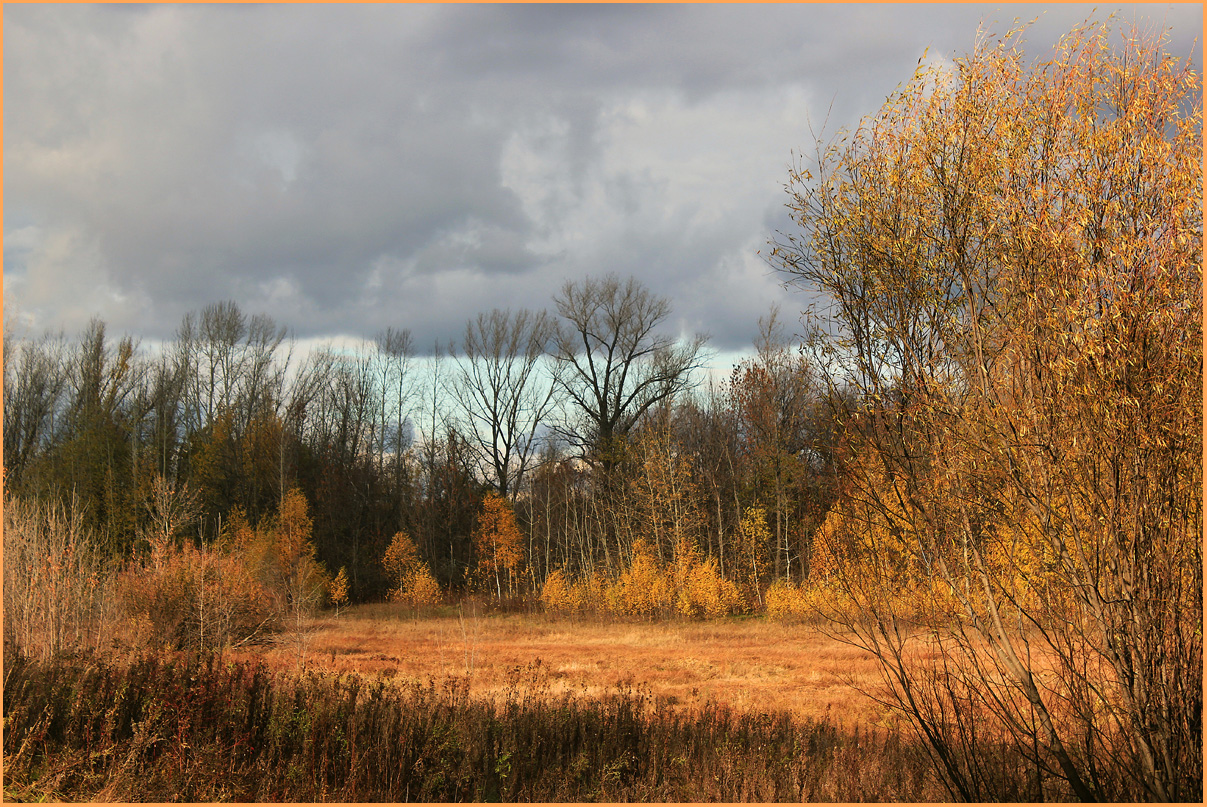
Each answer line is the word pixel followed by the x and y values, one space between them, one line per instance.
pixel 749 665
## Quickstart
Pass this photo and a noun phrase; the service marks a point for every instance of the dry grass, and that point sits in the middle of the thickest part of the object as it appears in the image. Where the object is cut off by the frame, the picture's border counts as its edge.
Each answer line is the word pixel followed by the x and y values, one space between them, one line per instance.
pixel 196 727
pixel 749 665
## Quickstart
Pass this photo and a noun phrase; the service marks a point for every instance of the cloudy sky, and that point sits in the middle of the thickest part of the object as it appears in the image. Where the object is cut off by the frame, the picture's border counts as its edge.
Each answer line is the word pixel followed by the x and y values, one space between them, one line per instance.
pixel 348 168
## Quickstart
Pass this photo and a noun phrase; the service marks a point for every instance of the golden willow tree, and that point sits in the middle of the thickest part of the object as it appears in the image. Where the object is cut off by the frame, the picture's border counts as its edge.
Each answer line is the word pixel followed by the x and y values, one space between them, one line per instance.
pixel 1009 256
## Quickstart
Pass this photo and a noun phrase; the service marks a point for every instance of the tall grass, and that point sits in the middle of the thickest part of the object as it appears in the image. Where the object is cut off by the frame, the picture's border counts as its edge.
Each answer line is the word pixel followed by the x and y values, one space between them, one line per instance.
pixel 197 728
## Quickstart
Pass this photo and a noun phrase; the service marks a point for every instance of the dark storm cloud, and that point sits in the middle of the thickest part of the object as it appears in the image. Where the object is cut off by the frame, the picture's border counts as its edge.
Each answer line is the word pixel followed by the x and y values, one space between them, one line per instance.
pixel 348 168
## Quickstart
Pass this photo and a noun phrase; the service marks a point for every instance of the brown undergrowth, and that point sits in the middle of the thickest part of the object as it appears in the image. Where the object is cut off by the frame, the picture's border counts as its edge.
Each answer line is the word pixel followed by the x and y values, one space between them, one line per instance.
pixel 189 727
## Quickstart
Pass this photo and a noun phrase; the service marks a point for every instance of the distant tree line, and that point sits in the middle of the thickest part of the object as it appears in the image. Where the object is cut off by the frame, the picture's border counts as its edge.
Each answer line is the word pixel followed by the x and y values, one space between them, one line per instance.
pixel 592 425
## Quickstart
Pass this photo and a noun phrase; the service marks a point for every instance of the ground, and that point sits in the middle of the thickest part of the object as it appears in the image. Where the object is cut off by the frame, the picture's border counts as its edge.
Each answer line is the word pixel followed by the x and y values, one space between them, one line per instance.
pixel 747 664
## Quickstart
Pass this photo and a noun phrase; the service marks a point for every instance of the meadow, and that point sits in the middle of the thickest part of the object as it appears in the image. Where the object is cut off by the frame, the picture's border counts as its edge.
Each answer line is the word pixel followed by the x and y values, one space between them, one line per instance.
pixel 383 705
pixel 746 664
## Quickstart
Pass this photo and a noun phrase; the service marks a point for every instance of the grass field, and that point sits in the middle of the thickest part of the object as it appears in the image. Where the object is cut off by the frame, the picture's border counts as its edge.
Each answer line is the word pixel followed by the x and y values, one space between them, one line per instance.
pixel 457 707
pixel 744 664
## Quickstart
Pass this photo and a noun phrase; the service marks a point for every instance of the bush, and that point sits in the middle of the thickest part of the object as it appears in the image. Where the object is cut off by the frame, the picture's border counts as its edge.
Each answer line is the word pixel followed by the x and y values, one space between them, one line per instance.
pixel 647 588
pixel 644 589
pixel 557 594
pixel 785 601
pixel 418 588
pixel 57 594
pixel 705 593
pixel 184 597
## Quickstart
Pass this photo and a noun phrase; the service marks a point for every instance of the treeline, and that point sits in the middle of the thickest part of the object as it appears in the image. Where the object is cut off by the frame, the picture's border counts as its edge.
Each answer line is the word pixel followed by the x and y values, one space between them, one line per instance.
pixel 537 444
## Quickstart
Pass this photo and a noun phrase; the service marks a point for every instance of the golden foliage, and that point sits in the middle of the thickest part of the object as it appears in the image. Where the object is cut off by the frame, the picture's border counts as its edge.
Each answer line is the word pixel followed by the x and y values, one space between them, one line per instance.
pixel 282 555
pixel 338 595
pixel 414 584
pixel 647 588
pixel 400 556
pixel 1013 255
pixel 644 589
pixel 706 594
pixel 417 588
pixel 558 593
pixel 785 601
pixel 751 542
pixel 498 544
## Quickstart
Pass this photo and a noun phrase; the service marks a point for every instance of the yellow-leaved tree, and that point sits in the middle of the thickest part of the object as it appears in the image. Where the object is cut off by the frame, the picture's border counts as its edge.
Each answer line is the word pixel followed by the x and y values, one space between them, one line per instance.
pixel 414 584
pixel 1009 259
pixel 498 545
pixel 289 564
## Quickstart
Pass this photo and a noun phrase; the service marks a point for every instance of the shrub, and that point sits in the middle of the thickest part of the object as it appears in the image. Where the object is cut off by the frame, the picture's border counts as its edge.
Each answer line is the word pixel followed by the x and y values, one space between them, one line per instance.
pixel 182 597
pixel 56 589
pixel 417 588
pixel 786 601
pixel 705 593
pixel 648 588
pixel 557 594
pixel 643 589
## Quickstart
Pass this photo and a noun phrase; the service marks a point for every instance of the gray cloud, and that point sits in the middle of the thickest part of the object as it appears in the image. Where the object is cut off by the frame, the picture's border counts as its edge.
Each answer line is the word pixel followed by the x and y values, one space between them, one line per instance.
pixel 346 168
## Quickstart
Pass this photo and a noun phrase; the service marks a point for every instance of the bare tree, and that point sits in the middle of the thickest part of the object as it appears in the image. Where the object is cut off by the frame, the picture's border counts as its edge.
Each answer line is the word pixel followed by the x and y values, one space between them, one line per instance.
pixel 34 383
pixel 261 375
pixel 501 395
pixel 395 352
pixel 216 341
pixel 612 363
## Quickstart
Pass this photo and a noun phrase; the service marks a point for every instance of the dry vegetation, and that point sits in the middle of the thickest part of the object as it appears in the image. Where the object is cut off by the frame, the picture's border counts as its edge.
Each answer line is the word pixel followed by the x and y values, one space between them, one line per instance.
pixel 975 495
pixel 745 664
pixel 199 727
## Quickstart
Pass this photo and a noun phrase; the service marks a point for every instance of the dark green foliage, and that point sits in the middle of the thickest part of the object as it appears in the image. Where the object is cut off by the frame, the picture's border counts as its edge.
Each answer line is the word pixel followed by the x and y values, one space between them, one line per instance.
pixel 197 728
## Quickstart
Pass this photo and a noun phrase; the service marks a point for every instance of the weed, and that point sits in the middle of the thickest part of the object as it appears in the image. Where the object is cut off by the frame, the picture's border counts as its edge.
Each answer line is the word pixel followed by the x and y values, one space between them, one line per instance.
pixel 195 727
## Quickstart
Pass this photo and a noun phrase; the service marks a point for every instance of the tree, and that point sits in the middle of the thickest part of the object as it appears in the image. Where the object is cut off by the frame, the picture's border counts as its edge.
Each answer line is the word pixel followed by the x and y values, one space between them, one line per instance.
pixel 501 395
pixel 664 499
pixel 339 590
pixel 34 381
pixel 774 395
pixel 299 579
pixel 612 363
pixel 394 353
pixel 95 455
pixel 1013 258
pixel 413 581
pixel 498 544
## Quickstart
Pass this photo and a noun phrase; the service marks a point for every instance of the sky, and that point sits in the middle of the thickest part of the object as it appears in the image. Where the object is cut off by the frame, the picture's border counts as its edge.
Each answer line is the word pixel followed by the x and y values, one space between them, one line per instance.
pixel 348 168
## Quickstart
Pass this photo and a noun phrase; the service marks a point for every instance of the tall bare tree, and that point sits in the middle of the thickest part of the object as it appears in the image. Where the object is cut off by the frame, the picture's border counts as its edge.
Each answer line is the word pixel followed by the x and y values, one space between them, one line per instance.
pixel 34 383
pixel 612 361
pixel 395 353
pixel 503 397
